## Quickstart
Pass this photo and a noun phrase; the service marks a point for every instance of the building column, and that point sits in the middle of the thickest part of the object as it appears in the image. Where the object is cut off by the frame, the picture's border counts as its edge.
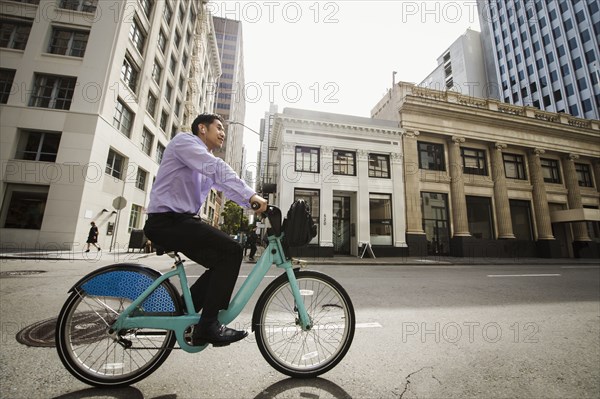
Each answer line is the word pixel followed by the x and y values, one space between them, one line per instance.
pixel 505 229
pixel 596 169
pixel 363 232
pixel 580 232
pixel 415 235
pixel 326 198
pixel 540 200
pixel 457 189
pixel 398 202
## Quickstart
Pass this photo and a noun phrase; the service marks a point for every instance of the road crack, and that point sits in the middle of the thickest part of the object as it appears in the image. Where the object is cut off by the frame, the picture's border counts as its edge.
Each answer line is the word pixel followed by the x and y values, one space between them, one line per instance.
pixel 408 381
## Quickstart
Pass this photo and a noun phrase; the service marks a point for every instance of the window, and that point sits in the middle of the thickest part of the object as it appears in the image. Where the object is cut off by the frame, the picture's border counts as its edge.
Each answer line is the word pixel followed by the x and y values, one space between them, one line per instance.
pixel 173 64
pixel 140 180
pixel 177 39
pixel 7 77
pixel 147 6
pixel 14 34
pixel 550 170
pixel 307 159
pixel 114 164
pixel 514 166
pixel 431 156
pixel 80 5
pixel 434 207
pixel 38 146
pixel 167 13
pixel 168 92
pixel 123 119
pixel 479 215
pixel 147 140
pixel 164 118
pixel 162 41
pixel 344 163
pixel 137 36
pixel 380 219
pixel 52 91
pixel 24 206
pixel 474 161
pixel 157 72
pixel 68 42
pixel 135 217
pixel 312 198
pixel 129 74
pixel 520 215
pixel 151 104
pixel 584 175
pixel 379 165
pixel 160 151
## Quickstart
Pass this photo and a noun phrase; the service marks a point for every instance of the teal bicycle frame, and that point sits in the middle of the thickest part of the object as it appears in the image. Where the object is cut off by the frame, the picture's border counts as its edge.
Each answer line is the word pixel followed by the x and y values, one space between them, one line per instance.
pixel 273 254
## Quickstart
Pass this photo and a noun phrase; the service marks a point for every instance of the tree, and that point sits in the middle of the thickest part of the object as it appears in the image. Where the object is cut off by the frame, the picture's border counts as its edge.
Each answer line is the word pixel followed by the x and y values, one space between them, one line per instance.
pixel 231 218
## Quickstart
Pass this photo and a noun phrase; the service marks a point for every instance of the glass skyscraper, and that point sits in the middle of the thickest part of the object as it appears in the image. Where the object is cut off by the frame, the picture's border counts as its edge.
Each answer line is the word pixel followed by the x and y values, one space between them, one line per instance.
pixel 543 53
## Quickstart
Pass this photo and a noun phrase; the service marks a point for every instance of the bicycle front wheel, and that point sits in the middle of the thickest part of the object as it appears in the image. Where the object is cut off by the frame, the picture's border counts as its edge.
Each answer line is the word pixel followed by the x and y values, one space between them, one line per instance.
pixel 280 338
pixel 98 358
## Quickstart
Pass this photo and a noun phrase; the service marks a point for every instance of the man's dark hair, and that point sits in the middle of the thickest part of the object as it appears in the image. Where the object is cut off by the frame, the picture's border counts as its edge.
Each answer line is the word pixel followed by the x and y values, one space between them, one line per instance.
pixel 205 119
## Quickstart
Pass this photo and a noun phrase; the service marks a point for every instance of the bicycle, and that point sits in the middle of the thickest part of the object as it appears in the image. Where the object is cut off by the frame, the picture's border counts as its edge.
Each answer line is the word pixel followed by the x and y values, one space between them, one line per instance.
pixel 121 322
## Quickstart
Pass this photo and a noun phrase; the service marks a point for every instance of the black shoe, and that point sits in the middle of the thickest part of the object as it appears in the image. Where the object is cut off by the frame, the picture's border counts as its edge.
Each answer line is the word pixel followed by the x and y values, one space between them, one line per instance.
pixel 216 334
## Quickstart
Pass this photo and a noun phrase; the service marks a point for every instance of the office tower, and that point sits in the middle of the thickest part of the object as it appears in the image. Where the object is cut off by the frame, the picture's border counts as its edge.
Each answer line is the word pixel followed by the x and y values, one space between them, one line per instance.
pixel 544 53
pixel 460 68
pixel 91 93
pixel 230 101
pixel 266 175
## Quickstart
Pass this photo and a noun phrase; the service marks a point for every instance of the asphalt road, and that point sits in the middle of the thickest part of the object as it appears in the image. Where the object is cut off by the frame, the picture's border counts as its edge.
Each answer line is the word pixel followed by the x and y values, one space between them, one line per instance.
pixel 434 331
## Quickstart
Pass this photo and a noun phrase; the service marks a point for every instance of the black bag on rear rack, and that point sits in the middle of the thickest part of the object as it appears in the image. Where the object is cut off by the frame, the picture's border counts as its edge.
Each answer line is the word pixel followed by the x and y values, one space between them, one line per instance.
pixel 299 227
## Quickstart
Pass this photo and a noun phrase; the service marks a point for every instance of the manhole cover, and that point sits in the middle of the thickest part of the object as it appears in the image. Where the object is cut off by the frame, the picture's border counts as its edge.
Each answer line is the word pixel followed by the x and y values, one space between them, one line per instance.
pixel 19 273
pixel 87 329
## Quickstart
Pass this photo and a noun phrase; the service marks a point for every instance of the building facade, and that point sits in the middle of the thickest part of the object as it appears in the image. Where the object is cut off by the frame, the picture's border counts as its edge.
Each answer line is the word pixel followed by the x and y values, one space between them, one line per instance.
pixel 484 178
pixel 349 170
pixel 544 54
pixel 89 103
pixel 461 68
pixel 230 103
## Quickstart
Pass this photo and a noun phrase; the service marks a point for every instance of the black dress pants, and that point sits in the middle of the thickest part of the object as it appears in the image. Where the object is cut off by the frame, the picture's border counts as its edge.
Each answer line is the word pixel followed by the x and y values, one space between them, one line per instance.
pixel 205 245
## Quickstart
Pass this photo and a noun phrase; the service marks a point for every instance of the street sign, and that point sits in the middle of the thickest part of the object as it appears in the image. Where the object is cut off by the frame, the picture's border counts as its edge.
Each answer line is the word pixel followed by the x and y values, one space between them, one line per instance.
pixel 119 203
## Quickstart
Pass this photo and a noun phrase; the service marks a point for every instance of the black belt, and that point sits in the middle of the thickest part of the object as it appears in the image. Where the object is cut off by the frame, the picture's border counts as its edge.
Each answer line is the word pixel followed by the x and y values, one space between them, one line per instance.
pixel 172 214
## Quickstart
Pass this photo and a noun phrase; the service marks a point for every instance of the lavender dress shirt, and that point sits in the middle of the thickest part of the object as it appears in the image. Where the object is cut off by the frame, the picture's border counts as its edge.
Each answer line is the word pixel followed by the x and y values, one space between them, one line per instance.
pixel 187 173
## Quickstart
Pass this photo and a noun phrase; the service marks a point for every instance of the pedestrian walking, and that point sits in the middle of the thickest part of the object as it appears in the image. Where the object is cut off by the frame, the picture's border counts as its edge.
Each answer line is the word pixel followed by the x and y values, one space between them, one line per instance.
pixel 92 237
pixel 251 243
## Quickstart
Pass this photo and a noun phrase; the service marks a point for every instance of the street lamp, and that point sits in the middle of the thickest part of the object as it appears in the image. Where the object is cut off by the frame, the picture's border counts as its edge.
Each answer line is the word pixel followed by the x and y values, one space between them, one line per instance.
pixel 241 124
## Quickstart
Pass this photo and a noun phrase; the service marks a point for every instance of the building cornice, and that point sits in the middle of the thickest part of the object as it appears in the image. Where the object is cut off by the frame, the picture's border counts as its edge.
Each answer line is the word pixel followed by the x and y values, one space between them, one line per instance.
pixel 518 125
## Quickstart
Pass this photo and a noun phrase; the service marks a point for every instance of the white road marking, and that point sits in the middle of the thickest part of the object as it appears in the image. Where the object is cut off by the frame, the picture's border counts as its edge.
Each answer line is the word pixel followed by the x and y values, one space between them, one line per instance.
pixel 524 275
pixel 368 325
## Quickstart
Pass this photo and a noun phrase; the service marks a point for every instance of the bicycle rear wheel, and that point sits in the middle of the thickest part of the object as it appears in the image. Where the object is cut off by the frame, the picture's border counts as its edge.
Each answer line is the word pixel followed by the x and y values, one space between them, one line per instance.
pixel 92 355
pixel 281 340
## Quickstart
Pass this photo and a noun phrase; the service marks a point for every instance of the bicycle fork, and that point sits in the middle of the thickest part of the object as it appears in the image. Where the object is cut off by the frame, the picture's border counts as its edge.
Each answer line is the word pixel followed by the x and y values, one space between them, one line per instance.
pixel 303 317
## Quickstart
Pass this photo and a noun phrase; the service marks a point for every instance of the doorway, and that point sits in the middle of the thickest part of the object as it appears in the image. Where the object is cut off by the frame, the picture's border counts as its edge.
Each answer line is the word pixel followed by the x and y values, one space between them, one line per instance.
pixel 341 225
pixel 435 222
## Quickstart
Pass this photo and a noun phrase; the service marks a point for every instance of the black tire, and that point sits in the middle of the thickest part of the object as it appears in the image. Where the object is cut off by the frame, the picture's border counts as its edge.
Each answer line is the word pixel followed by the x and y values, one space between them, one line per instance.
pixel 93 356
pixel 288 349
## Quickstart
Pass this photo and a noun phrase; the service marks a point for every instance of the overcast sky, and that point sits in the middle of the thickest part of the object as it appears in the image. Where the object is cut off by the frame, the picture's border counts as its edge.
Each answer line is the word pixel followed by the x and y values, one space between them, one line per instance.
pixel 338 56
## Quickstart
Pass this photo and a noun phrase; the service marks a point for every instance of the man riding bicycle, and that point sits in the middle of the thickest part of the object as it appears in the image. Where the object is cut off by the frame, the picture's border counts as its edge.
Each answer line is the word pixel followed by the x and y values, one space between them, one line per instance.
pixel 187 173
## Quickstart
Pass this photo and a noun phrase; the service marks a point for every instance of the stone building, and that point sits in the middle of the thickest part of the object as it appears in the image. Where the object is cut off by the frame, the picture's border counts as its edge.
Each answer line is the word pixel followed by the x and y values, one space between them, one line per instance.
pixel 485 178
pixel 91 93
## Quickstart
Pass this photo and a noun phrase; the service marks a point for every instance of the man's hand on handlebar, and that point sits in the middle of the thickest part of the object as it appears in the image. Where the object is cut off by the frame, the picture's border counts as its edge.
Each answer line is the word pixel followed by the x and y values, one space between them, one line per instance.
pixel 259 204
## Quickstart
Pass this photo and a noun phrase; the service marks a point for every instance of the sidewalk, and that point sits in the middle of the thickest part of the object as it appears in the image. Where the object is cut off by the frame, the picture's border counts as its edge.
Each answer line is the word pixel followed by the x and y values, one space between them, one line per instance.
pixel 124 256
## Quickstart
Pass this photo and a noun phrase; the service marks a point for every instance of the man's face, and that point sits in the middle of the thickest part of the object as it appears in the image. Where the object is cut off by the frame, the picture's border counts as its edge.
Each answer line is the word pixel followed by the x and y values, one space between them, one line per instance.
pixel 213 136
